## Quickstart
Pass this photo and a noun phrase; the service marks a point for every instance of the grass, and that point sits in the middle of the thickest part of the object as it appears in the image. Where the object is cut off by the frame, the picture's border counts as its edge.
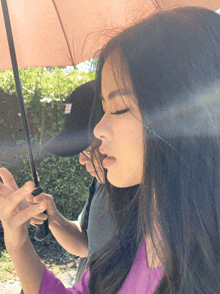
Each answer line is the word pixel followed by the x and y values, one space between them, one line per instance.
pixel 7 270
pixel 50 252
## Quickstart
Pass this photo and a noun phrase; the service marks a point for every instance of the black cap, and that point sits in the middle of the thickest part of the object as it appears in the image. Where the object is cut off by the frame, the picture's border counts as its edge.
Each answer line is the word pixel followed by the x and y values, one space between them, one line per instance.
pixel 74 138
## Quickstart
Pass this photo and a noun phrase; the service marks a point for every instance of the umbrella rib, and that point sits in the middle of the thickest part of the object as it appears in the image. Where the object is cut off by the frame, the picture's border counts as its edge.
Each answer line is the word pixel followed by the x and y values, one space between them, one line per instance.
pixel 63 31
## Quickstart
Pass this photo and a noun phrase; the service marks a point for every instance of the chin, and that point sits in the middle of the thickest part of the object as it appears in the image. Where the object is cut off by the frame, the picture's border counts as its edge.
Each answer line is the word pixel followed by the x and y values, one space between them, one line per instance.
pixel 120 182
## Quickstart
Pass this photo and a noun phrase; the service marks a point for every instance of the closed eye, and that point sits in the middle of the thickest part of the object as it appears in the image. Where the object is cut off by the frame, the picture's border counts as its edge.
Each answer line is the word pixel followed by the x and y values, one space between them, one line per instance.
pixel 118 112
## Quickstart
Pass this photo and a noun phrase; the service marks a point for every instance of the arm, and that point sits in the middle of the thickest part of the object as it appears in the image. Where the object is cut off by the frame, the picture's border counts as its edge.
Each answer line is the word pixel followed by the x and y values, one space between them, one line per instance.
pixel 15 223
pixel 27 265
pixel 35 278
pixel 69 234
pixel 33 275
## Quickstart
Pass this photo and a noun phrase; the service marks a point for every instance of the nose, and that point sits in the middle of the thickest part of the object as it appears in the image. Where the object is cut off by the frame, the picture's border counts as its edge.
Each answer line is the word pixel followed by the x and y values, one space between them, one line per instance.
pixel 83 159
pixel 103 129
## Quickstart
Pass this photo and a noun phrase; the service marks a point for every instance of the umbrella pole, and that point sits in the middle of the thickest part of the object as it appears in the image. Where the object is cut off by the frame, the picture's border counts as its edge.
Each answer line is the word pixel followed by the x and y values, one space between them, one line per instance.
pixel 41 230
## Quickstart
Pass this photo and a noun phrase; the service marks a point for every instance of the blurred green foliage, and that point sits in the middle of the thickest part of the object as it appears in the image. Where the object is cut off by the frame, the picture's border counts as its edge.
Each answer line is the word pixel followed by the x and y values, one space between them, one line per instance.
pixel 45 91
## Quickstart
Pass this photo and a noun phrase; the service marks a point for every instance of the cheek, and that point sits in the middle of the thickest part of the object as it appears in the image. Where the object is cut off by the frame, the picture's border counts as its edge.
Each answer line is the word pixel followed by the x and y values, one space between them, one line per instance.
pixel 130 151
pixel 130 136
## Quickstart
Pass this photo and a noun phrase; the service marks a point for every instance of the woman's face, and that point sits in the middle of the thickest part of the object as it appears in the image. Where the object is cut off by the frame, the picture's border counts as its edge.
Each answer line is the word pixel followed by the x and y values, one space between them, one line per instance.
pixel 120 130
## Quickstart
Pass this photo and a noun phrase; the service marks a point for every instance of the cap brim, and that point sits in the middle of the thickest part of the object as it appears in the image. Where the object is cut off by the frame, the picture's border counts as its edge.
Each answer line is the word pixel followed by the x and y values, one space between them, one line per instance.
pixel 67 144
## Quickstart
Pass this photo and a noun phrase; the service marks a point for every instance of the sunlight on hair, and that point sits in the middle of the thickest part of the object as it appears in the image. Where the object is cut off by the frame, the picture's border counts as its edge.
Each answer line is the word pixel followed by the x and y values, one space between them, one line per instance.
pixel 198 114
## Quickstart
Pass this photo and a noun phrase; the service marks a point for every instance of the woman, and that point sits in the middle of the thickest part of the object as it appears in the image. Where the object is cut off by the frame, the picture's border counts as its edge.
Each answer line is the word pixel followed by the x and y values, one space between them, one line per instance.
pixel 169 67
pixel 159 82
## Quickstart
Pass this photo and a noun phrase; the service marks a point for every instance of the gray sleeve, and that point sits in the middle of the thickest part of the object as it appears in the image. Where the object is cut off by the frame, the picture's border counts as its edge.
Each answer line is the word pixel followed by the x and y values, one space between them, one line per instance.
pixel 84 215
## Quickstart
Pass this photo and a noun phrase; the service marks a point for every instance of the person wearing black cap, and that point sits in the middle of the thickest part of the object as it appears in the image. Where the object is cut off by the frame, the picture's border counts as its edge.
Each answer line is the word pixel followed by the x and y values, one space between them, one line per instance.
pixel 95 225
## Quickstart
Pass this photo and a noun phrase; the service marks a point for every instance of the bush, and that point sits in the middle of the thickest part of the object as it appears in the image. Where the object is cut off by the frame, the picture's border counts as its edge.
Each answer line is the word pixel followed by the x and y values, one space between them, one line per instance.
pixel 45 92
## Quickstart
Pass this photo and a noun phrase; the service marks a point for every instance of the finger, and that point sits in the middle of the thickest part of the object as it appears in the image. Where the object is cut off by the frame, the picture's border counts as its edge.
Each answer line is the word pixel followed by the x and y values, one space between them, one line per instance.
pixel 30 198
pixel 24 192
pixel 43 197
pixel 37 199
pixel 8 178
pixel 5 190
pixel 41 216
pixel 39 219
pixel 30 213
pixel 35 222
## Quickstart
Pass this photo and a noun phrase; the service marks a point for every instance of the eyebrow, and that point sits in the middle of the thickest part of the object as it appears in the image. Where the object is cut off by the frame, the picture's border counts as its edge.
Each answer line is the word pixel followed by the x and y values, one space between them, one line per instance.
pixel 115 93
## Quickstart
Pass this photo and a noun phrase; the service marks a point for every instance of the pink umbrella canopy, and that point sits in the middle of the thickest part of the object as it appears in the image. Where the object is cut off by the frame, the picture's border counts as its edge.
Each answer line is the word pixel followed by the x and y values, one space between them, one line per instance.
pixel 67 32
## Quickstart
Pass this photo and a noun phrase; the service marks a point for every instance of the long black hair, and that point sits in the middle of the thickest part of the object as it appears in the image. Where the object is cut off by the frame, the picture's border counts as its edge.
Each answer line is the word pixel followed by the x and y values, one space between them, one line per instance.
pixel 173 61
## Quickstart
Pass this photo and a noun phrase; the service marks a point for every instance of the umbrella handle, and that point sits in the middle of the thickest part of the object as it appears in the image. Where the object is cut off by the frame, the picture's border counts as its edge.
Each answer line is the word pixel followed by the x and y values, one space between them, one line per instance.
pixel 41 230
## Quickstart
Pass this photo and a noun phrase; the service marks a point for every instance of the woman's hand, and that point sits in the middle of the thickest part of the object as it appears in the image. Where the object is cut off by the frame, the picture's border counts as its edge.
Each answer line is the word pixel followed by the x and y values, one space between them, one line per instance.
pixel 11 185
pixel 15 215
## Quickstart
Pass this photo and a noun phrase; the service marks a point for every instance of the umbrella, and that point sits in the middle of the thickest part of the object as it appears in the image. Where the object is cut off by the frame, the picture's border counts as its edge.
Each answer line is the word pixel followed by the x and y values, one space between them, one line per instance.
pixel 66 32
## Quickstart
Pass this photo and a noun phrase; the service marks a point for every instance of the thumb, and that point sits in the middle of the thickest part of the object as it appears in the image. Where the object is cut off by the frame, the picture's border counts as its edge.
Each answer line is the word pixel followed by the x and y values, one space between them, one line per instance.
pixel 8 179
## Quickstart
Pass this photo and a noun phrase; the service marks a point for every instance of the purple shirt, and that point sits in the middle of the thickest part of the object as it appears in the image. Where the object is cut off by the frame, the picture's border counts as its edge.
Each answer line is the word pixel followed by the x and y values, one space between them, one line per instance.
pixel 140 280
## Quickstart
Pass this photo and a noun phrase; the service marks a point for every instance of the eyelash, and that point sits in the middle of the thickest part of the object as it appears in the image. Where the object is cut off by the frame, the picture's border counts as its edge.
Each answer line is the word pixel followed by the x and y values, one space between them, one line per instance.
pixel 120 111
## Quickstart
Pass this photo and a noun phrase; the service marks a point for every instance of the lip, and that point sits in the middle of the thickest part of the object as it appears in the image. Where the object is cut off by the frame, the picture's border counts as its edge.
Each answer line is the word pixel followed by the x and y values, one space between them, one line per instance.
pixel 109 160
pixel 103 152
